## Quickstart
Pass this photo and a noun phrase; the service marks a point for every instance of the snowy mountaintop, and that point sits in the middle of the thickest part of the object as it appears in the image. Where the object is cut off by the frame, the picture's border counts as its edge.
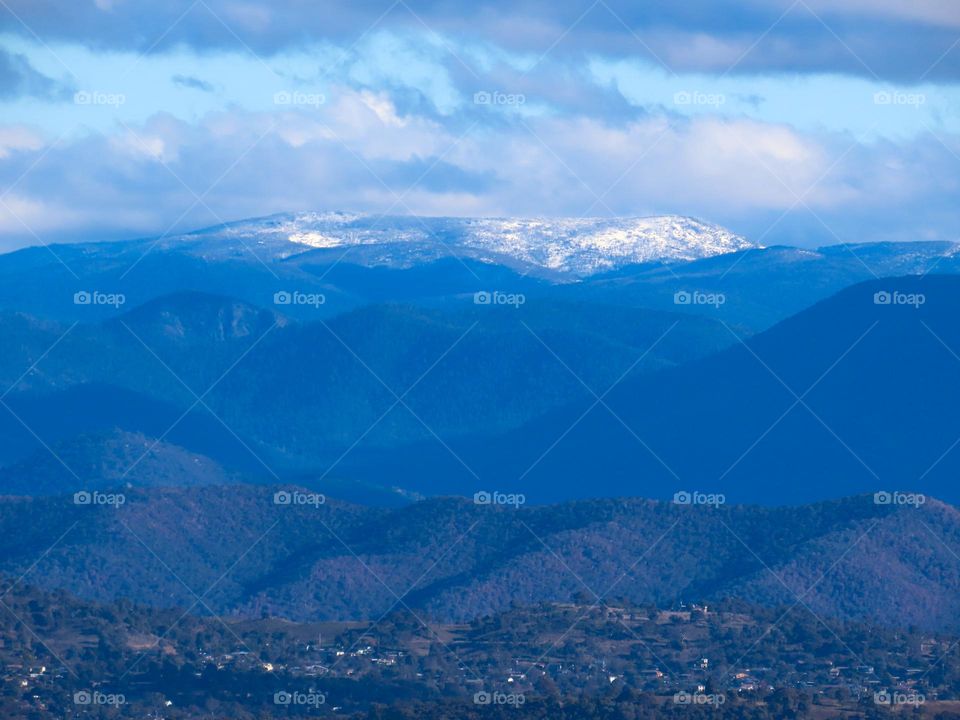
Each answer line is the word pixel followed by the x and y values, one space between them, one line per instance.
pixel 567 246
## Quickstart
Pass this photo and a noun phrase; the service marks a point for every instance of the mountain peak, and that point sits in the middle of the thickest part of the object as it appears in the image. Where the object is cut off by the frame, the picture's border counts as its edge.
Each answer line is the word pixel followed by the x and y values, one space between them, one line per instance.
pixel 568 246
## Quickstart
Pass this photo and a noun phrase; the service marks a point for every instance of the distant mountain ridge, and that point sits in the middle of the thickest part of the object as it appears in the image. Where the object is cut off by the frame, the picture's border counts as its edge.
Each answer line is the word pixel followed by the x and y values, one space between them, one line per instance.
pixel 310 389
pixel 851 395
pixel 506 395
pixel 351 261
pixel 763 286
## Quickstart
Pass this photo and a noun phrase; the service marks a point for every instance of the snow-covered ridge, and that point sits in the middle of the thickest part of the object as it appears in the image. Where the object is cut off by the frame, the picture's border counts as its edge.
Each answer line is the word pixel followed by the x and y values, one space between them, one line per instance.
pixel 575 246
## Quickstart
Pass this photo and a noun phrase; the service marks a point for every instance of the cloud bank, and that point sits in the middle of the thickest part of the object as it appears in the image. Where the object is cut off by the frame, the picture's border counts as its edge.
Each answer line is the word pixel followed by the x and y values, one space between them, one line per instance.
pixel 807 123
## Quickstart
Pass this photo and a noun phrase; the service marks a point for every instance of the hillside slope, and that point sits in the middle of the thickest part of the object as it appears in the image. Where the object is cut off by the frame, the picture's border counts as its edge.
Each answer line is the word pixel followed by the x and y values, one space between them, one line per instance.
pixel 846 397
pixel 453 559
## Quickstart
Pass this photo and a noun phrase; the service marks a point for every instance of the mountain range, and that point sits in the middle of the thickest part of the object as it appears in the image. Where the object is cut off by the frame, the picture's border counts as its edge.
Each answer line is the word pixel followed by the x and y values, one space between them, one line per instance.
pixel 768 374
pixel 468 425
pixel 851 395
pixel 761 287
pixel 254 260
pixel 300 392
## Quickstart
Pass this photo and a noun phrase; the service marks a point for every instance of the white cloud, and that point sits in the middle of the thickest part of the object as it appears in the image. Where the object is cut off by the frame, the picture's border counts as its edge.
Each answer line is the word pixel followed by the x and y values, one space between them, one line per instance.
pixel 33 217
pixel 349 155
pixel 14 138
pixel 365 122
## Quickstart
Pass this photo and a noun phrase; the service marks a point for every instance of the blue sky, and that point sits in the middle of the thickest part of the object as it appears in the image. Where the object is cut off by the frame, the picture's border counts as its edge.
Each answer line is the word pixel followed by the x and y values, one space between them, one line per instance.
pixel 806 122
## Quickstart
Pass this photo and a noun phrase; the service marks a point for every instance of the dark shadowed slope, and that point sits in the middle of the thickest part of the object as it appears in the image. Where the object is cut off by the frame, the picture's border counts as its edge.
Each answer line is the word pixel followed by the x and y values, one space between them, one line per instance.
pixel 846 397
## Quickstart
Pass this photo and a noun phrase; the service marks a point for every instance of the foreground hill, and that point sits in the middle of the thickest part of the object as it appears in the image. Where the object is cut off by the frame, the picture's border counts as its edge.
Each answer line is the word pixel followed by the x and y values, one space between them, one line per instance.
pixel 243 553
pixel 556 660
